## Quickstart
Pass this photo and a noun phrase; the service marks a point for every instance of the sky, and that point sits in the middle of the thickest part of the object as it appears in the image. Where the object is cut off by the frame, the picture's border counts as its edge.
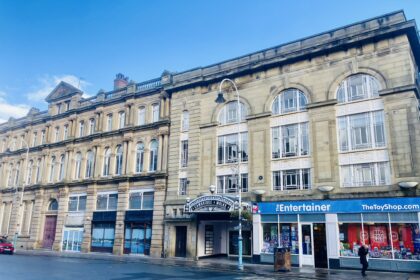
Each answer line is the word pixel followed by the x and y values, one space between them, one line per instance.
pixel 87 42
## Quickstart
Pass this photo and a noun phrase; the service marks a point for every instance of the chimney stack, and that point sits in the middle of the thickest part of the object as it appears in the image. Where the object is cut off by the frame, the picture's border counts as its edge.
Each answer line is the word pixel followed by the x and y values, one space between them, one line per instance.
pixel 120 81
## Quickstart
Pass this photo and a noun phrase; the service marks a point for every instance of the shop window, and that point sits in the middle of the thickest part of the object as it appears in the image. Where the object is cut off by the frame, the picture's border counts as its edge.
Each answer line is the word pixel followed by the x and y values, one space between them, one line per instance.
pixel 107 202
pixel 103 235
pixel 77 203
pixel 72 239
pixel 358 87
pixel 385 240
pixel 228 146
pixel 141 200
pixel 283 235
pixel 138 238
pixel 290 100
pixel 228 183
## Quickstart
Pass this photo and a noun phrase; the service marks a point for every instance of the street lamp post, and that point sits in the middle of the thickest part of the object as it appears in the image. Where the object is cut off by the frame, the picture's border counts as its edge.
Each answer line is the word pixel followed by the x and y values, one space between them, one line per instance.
pixel 21 197
pixel 220 100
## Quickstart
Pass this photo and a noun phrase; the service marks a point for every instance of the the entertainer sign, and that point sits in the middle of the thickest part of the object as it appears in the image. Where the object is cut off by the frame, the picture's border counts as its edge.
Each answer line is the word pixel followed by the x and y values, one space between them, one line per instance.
pixel 406 204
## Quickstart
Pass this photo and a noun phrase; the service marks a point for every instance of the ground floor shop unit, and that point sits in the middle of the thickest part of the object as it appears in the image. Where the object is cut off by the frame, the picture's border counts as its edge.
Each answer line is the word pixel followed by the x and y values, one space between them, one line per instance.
pixel 328 233
pixel 208 228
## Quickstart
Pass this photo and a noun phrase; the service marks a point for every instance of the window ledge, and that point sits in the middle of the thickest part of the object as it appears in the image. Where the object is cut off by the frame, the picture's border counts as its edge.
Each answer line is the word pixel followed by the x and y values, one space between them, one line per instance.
pixel 286 158
pixel 363 150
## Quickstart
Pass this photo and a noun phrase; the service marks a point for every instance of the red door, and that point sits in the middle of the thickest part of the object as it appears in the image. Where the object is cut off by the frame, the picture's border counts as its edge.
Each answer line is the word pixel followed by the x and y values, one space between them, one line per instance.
pixel 49 231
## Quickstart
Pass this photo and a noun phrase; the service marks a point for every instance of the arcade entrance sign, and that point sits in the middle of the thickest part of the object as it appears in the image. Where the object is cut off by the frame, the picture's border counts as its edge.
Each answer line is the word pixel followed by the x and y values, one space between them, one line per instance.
pixel 210 203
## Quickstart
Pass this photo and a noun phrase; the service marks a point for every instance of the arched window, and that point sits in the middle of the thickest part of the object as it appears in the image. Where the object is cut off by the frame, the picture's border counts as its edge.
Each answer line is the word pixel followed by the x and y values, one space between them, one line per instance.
pixel 153 155
pixel 185 121
pixel 62 167
pixel 118 160
pixel 357 87
pixel 141 119
pixel 52 169
pixel 230 113
pixel 107 161
pixel 289 100
pixel 29 174
pixel 139 157
pixel 78 166
pixel 90 159
pixel 53 206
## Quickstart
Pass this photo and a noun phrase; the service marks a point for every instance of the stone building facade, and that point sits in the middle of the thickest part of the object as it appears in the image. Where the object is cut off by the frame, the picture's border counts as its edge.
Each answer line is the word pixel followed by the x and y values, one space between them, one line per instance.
pixel 327 132
pixel 329 119
pixel 92 170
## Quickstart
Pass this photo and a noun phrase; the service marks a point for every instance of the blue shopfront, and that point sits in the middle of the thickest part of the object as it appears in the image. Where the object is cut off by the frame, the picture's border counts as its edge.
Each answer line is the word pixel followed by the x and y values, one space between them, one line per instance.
pixel 328 233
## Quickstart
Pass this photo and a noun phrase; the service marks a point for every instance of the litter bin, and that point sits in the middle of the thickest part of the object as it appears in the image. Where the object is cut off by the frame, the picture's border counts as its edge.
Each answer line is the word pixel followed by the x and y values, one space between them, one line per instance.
pixel 282 261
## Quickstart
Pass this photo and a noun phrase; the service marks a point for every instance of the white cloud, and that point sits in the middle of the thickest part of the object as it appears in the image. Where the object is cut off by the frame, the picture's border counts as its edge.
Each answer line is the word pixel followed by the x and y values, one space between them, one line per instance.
pixel 8 110
pixel 48 83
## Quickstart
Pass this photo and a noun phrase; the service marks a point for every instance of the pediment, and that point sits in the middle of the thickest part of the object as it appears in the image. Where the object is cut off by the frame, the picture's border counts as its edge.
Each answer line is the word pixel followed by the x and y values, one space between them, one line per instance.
pixel 61 91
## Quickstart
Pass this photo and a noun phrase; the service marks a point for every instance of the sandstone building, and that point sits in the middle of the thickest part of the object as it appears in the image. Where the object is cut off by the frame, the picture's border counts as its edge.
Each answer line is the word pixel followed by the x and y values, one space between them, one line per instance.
pixel 327 136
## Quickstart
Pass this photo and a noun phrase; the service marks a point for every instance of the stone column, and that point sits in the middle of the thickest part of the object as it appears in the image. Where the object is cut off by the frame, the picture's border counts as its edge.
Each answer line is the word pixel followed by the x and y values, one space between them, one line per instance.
pixel 61 215
pixel 123 196
pixel 99 121
pixel 98 162
pixel 161 108
pixel 165 152
pixel 37 219
pixel 160 151
pixel 90 208
pixel 156 248
pixel 129 158
pixel 125 157
pixel 69 166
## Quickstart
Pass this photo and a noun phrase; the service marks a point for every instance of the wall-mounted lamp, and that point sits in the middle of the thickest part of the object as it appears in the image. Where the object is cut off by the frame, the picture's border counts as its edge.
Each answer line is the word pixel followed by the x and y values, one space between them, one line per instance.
pixel 408 185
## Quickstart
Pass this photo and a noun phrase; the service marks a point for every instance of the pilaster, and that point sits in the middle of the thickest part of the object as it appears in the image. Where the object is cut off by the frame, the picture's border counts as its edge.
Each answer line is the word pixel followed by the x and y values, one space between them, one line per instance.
pixel 123 197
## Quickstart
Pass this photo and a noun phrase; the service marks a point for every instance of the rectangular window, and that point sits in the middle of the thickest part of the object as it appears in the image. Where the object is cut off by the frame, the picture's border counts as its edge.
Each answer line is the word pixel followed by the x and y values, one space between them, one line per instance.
pixel 109 122
pixel 290 140
pixel 42 137
pixel 294 179
pixel 77 203
pixel 228 148
pixel 66 132
pixel 361 131
pixel 183 186
pixel 229 183
pixel 91 126
pixel 57 134
pixel 107 202
pixel 121 116
pixel 142 116
pixel 155 112
pixel 103 235
pixel 141 200
pixel 184 153
pixel 366 174
pixel 185 121
pixel 81 128
pixel 34 138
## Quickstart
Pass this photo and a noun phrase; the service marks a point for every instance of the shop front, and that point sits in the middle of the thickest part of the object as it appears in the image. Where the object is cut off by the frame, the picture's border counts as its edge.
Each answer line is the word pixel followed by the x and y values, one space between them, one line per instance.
pixel 217 228
pixel 138 232
pixel 328 233
pixel 103 231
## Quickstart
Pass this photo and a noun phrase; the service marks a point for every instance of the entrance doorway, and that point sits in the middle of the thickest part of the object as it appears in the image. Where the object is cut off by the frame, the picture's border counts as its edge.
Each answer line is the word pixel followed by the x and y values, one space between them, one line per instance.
pixel 138 238
pixel 72 239
pixel 181 242
pixel 314 245
pixel 49 231
pixel 320 246
pixel 246 243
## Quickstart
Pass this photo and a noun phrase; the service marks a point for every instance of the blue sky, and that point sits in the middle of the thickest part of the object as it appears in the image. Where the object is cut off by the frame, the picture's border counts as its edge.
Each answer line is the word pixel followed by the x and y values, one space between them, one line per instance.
pixel 87 42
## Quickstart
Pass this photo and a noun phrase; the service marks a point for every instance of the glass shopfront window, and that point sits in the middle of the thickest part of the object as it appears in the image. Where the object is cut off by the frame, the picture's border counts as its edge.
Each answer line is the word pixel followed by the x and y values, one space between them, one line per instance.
pixel 386 238
pixel 283 235
pixel 103 235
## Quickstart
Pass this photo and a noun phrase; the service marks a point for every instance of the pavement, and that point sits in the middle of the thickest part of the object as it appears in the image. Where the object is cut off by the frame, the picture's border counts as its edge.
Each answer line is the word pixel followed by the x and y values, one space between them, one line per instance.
pixel 128 267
